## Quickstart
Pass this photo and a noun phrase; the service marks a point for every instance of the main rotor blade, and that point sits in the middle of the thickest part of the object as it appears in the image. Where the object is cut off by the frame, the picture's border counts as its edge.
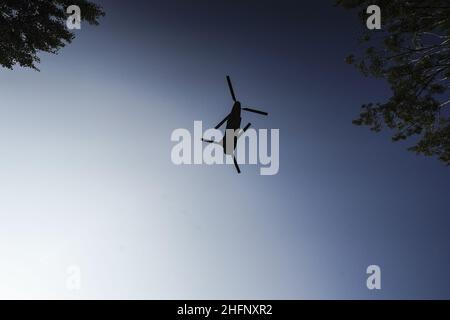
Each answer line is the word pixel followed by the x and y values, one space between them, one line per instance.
pixel 236 165
pixel 256 111
pixel 221 122
pixel 231 88
pixel 243 130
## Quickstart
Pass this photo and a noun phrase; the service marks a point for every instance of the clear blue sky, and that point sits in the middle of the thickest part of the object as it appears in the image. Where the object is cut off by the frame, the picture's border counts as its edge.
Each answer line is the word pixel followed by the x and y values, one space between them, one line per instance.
pixel 87 180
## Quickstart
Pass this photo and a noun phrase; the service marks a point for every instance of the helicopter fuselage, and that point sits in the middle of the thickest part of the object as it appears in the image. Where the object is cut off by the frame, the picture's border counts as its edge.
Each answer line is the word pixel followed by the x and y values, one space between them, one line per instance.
pixel 233 123
pixel 234 120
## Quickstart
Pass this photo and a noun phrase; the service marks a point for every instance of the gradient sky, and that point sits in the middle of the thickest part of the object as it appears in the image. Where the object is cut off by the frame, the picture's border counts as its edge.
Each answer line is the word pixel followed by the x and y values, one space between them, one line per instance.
pixel 86 178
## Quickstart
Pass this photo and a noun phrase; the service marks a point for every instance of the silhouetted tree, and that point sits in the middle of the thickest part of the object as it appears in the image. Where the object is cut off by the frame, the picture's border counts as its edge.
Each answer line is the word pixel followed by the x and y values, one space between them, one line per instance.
pixel 30 26
pixel 412 52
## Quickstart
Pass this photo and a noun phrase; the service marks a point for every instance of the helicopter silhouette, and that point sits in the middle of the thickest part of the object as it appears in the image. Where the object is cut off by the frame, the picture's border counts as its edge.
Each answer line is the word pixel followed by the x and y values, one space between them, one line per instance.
pixel 233 120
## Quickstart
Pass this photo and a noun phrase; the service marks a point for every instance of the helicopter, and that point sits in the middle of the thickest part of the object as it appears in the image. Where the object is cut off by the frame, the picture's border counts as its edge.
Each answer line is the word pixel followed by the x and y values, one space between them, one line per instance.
pixel 233 120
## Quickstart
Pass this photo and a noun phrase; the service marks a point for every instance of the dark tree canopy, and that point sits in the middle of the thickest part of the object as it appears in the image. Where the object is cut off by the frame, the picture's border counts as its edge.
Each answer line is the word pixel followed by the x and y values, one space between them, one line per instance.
pixel 30 26
pixel 412 52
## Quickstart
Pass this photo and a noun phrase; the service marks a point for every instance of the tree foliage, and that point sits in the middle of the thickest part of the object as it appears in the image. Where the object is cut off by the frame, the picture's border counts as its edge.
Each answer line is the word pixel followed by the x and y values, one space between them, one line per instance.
pixel 28 27
pixel 412 52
